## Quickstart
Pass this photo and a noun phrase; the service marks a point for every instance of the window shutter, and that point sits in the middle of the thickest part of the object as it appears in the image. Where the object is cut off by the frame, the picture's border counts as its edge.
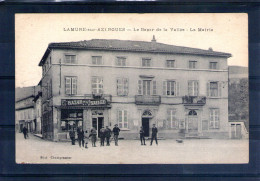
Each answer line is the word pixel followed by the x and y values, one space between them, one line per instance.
pixel 74 85
pixel 197 88
pixel 68 85
pixel 140 87
pixel 208 89
pixel 117 86
pixel 219 89
pixel 126 87
pixel 154 88
pixel 168 122
pixel 177 89
pixel 164 87
pixel 189 88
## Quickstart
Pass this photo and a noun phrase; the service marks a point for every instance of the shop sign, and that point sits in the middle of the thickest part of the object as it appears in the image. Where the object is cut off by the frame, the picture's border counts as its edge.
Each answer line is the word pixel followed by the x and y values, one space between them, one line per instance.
pixel 84 102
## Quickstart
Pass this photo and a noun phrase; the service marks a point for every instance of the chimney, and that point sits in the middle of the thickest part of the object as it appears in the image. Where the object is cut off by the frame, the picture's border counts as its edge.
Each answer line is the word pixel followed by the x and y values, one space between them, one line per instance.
pixel 153 40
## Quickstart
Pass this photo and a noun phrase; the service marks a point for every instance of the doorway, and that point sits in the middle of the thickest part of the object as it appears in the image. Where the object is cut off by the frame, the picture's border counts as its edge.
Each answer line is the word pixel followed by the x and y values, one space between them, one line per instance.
pixel 97 123
pixel 192 121
pixel 236 131
pixel 146 127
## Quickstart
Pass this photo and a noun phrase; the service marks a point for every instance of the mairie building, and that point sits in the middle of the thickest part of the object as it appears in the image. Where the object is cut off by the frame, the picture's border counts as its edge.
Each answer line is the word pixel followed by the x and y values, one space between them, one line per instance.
pixel 103 82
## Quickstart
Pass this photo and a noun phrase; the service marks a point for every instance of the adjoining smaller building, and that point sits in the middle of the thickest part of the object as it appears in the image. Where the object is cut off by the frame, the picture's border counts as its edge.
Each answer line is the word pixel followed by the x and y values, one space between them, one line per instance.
pixel 24 109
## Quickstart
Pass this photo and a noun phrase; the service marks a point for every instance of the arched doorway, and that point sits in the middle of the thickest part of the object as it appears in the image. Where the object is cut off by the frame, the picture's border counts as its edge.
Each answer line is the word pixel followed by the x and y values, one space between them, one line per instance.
pixel 192 121
pixel 146 116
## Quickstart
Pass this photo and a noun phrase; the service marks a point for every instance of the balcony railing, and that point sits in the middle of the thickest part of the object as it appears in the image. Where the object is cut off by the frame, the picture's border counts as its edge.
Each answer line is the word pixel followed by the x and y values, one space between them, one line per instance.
pixel 194 100
pixel 147 100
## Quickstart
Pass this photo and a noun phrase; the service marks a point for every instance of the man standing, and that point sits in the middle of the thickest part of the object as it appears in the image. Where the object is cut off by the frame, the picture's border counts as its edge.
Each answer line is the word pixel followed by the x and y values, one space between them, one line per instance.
pixel 108 135
pixel 25 132
pixel 72 136
pixel 141 132
pixel 93 134
pixel 102 136
pixel 154 135
pixel 81 137
pixel 116 131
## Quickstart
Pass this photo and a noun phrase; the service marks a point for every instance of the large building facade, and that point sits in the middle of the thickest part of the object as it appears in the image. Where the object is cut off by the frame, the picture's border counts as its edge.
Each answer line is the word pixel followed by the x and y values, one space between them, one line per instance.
pixel 95 83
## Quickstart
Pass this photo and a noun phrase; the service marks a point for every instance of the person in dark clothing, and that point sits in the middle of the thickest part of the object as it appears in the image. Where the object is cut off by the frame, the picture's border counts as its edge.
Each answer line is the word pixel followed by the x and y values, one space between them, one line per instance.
pixel 93 135
pixel 116 131
pixel 25 132
pixel 72 136
pixel 108 135
pixel 141 132
pixel 86 139
pixel 102 136
pixel 81 137
pixel 154 135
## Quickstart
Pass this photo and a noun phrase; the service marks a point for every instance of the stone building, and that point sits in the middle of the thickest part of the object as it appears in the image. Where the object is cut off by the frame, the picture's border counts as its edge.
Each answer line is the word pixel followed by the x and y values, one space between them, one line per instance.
pixel 99 82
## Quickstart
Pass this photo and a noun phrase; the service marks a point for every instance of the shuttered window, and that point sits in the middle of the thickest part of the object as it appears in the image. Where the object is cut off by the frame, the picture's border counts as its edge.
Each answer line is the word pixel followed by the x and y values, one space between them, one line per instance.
pixel 214 118
pixel 214 89
pixel 97 85
pixel 71 85
pixel 97 60
pixel 193 88
pixel 171 88
pixel 171 118
pixel 121 61
pixel 147 87
pixel 122 86
pixel 122 118
pixel 70 59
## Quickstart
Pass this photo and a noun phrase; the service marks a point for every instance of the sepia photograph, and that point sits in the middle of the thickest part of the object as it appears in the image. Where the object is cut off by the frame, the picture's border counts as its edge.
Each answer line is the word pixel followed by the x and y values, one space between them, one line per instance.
pixel 131 88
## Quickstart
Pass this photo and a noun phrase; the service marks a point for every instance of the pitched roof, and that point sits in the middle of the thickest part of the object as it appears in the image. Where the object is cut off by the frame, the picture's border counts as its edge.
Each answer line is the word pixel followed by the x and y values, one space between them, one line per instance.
pixel 133 46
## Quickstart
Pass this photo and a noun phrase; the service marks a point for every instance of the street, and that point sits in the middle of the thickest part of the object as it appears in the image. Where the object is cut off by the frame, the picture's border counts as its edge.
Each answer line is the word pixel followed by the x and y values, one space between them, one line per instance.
pixel 191 151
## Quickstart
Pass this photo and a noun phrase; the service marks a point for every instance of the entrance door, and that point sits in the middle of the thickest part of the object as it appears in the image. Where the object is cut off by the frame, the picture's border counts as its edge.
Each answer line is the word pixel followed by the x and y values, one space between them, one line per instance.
pixel 145 124
pixel 97 123
pixel 192 121
pixel 238 131
pixel 100 124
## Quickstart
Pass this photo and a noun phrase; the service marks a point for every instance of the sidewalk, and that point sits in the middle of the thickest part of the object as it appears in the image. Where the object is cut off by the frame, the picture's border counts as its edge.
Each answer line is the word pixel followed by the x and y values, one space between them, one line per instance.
pixel 36 150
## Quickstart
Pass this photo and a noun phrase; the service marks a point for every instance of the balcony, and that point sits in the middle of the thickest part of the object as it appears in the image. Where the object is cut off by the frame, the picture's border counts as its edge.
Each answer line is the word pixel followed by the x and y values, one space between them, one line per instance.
pixel 194 100
pixel 147 100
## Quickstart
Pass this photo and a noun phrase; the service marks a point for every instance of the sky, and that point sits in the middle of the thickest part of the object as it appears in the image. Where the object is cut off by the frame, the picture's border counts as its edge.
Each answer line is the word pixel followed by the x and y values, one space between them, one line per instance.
pixel 33 32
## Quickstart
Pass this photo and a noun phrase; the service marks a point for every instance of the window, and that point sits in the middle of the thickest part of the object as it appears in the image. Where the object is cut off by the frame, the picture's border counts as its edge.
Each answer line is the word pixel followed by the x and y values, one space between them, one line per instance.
pixel 147 87
pixel 146 62
pixel 213 65
pixel 193 88
pixel 122 119
pixel 170 88
pixel 171 117
pixel 97 85
pixel 122 86
pixel 121 61
pixel 192 64
pixel 214 118
pixel 71 85
pixel 70 58
pixel 170 63
pixel 97 60
pixel 214 89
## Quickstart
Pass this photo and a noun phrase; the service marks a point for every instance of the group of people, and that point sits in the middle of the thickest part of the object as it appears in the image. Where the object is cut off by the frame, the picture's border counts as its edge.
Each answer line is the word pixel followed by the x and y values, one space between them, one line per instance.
pixel 105 135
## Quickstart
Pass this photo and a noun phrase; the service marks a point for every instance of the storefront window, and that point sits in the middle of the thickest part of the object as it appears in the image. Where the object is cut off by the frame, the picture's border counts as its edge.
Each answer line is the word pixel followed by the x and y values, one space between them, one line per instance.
pixel 71 118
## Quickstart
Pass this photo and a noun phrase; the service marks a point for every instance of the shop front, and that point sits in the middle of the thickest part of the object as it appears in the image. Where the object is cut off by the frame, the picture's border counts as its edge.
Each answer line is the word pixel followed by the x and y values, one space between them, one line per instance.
pixel 82 113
